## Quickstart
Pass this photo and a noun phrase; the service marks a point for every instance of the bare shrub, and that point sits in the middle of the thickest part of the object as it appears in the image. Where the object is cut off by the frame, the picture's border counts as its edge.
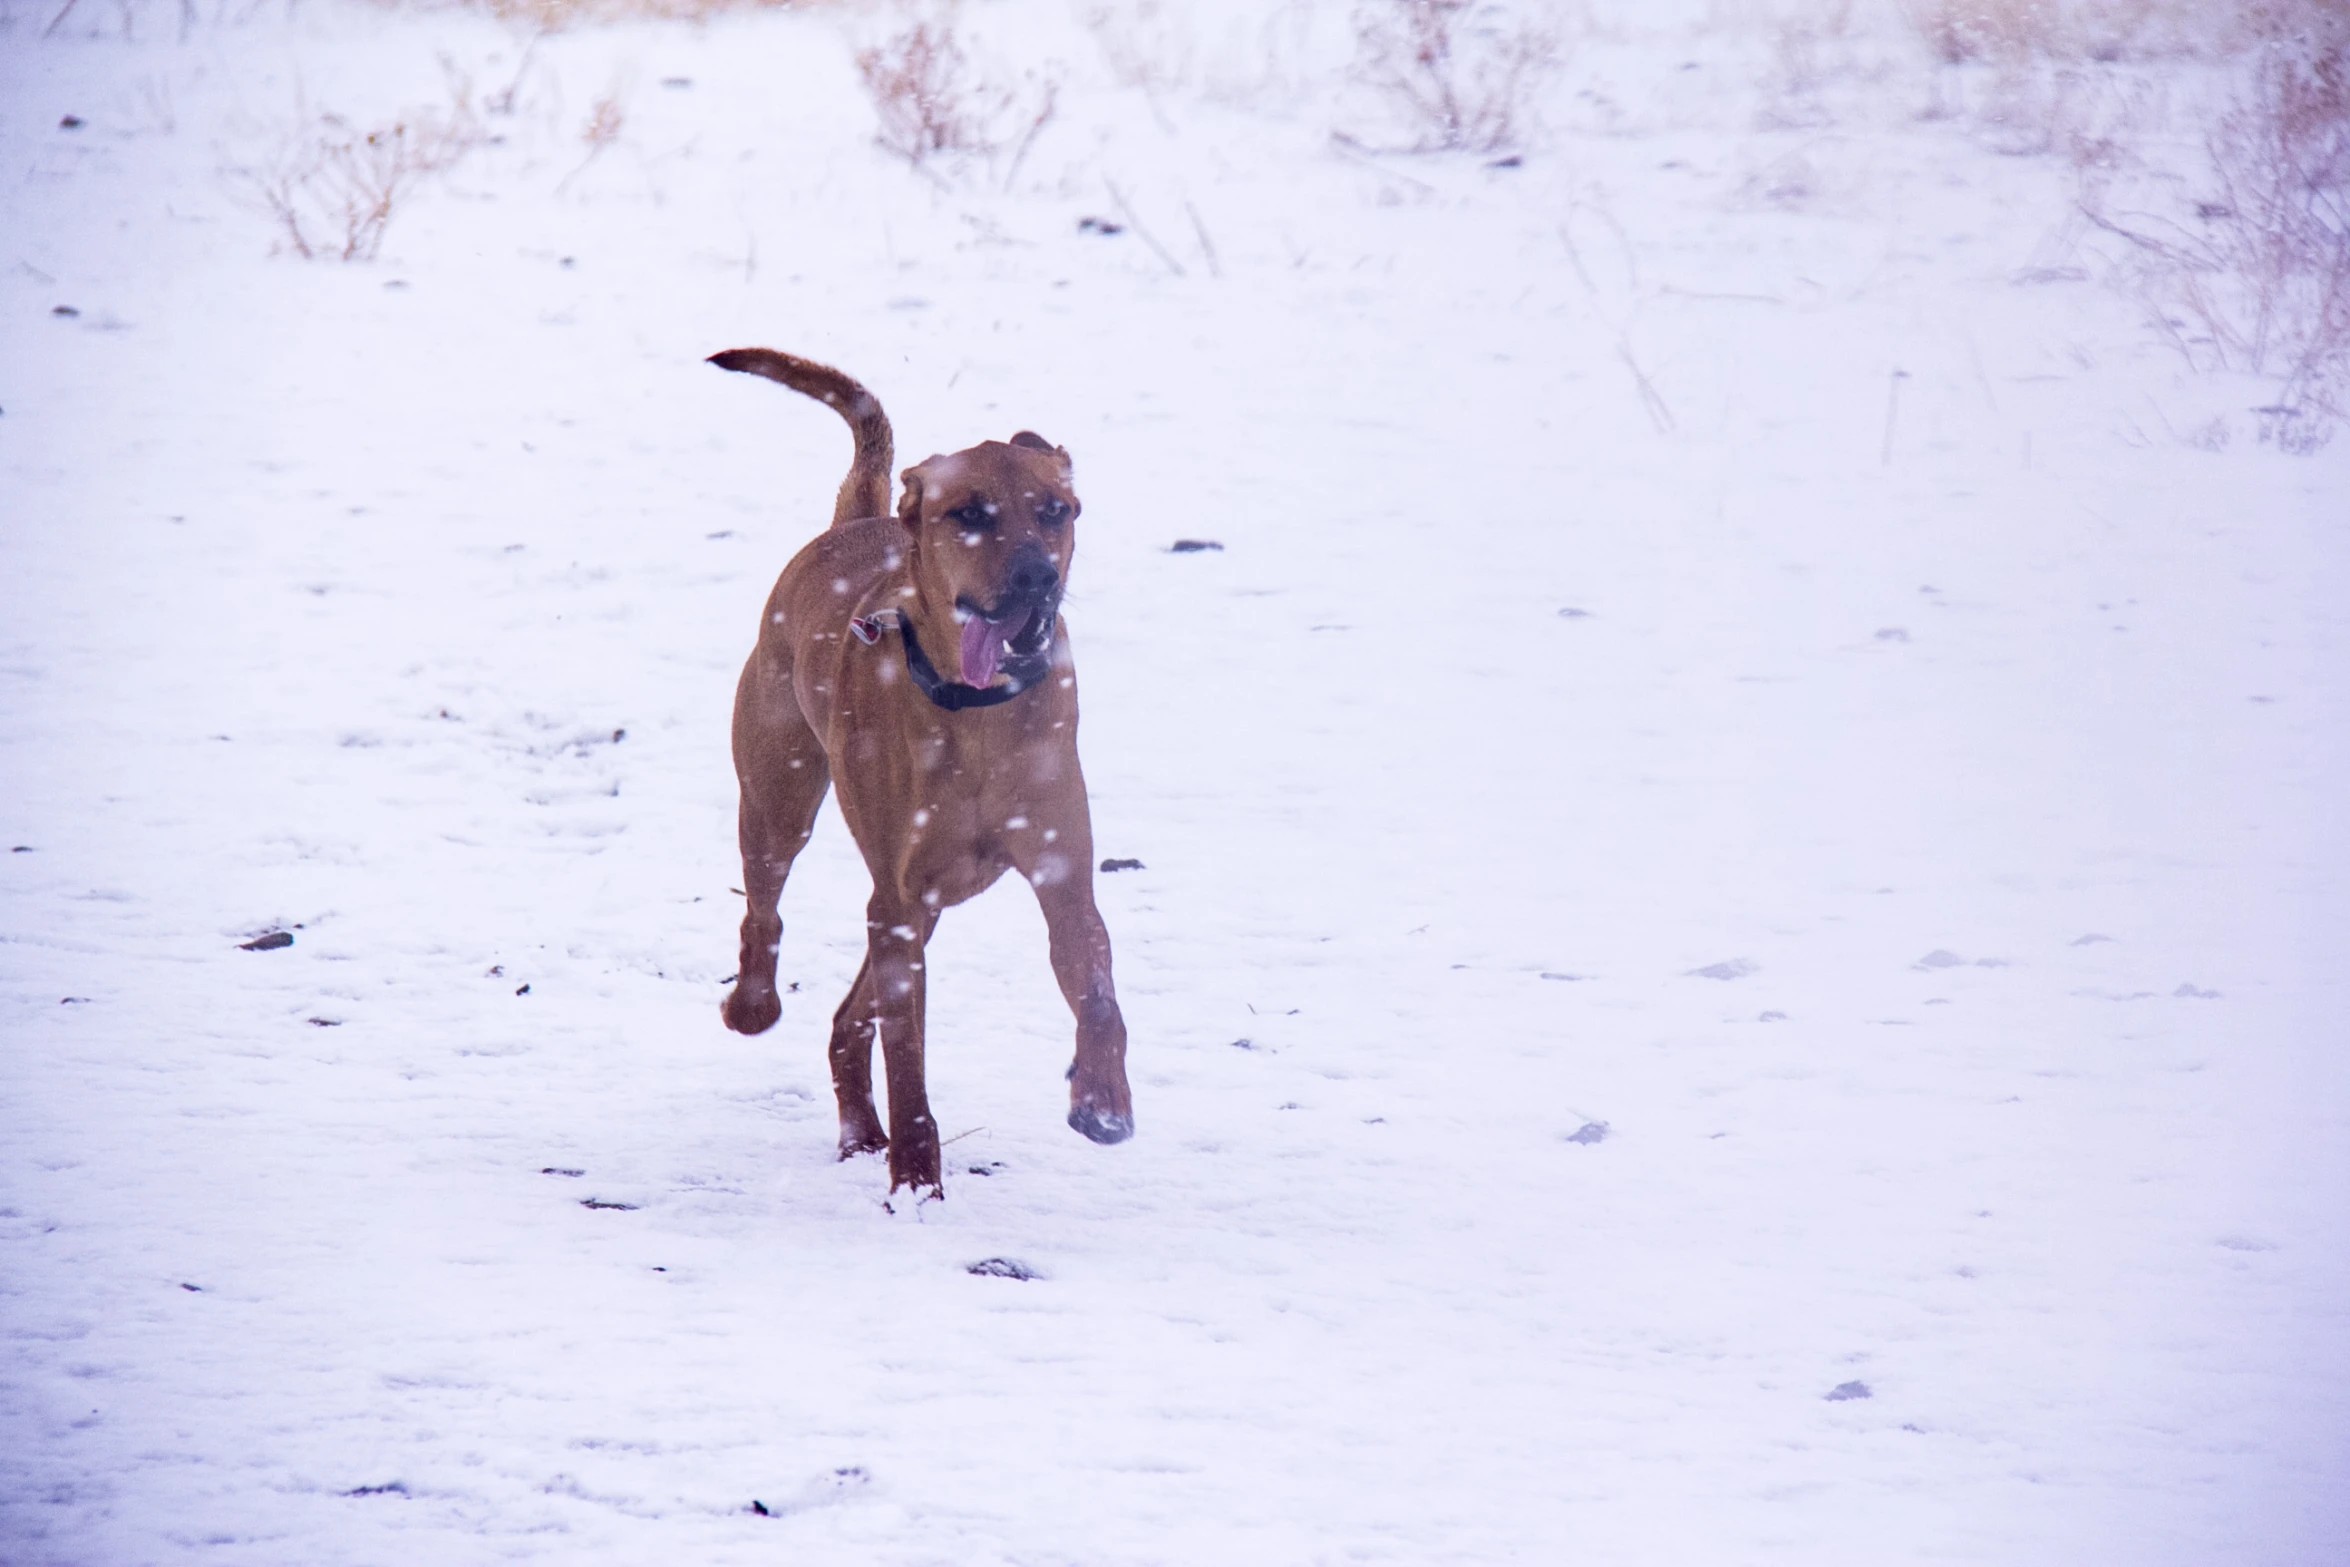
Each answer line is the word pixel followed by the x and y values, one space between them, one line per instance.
pixel 552 16
pixel 333 188
pixel 1796 76
pixel 2006 32
pixel 2283 164
pixel 603 126
pixel 1959 31
pixel 921 87
pixel 1144 46
pixel 2251 274
pixel 1461 75
pixel 2031 68
pixel 931 99
pixel 2257 277
pixel 1813 47
pixel 2281 234
pixel 2012 32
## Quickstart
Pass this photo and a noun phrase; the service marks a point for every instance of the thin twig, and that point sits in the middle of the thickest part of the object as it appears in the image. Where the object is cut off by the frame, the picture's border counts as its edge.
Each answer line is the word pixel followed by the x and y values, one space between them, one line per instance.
pixel 595 151
pixel 1658 414
pixel 2170 253
pixel 1575 257
pixel 1207 246
pixel 503 102
pixel 1694 293
pixel 1052 98
pixel 1355 149
pixel 1892 410
pixel 1623 242
pixel 1135 223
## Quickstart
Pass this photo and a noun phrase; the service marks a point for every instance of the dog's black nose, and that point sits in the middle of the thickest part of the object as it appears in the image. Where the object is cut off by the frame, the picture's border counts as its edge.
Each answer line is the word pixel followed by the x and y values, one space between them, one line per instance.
pixel 1030 574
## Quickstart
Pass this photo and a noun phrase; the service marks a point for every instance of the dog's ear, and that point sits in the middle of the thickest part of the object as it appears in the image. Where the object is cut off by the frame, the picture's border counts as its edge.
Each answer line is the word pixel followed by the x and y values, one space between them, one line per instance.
pixel 1037 443
pixel 910 502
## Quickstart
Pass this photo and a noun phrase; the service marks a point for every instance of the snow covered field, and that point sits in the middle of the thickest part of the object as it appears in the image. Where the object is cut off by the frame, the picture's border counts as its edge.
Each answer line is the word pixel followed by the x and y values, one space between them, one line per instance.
pixel 1738 950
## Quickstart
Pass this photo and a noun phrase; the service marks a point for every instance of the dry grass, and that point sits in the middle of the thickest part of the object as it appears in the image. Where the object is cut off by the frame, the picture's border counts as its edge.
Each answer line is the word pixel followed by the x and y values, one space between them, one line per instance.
pixel 1264 61
pixel 2257 277
pixel 2011 32
pixel 924 93
pixel 553 16
pixel 603 126
pixel 1462 77
pixel 2245 263
pixel 1814 47
pixel 1145 45
pixel 931 99
pixel 332 188
pixel 2029 77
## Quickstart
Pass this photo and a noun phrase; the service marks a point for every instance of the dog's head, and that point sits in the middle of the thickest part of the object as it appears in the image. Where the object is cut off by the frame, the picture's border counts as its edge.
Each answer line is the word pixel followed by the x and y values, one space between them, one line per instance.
pixel 993 528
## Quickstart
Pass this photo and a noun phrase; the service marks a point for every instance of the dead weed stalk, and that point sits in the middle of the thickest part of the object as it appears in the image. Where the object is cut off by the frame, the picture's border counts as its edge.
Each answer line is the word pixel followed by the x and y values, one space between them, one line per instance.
pixel 554 16
pixel 2008 32
pixel 333 188
pixel 1462 76
pixel 931 100
pixel 2257 279
pixel 2250 270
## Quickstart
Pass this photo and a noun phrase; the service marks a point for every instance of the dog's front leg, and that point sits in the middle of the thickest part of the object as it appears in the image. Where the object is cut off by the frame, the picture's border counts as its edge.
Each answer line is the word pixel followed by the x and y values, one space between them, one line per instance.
pixel 1101 1105
pixel 895 933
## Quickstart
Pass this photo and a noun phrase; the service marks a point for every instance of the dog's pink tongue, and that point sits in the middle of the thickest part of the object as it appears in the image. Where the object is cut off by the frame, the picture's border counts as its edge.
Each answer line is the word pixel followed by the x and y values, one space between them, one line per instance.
pixel 983 647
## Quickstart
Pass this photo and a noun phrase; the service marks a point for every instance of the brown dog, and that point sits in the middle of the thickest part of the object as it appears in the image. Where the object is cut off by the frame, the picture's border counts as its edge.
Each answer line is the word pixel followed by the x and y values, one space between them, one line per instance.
pixel 946 780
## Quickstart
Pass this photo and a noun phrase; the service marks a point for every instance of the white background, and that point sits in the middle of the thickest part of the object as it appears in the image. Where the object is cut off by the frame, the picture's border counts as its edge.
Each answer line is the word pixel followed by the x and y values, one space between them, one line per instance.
pixel 1986 722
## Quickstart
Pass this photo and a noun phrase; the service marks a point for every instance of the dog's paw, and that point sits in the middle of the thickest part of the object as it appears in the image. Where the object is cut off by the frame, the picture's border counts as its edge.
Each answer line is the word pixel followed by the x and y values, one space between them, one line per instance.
pixel 751 1014
pixel 1099 1125
pixel 855 1141
pixel 920 1187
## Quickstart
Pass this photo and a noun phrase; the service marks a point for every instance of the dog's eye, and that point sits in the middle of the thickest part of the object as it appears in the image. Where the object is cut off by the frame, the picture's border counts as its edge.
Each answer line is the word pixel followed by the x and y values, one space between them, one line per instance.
pixel 1052 511
pixel 973 514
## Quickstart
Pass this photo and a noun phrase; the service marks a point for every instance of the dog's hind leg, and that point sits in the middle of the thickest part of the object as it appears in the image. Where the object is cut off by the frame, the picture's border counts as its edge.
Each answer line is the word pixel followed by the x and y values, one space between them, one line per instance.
pixel 784 778
pixel 896 930
pixel 852 1068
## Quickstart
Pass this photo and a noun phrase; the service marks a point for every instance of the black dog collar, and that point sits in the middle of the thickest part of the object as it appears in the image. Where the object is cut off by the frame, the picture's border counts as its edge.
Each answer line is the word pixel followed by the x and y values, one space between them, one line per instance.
pixel 1020 670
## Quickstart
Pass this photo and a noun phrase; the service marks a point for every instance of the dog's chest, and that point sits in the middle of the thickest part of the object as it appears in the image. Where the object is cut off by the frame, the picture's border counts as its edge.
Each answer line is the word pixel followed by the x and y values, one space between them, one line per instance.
pixel 955 850
pixel 979 811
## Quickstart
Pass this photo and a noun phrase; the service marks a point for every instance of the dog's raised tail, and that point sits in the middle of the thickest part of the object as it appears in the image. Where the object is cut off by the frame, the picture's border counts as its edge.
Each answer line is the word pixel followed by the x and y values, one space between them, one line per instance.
pixel 865 492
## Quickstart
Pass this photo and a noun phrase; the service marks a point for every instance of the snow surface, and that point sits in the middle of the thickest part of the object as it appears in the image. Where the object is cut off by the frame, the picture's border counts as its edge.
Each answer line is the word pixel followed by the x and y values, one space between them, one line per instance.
pixel 1662 910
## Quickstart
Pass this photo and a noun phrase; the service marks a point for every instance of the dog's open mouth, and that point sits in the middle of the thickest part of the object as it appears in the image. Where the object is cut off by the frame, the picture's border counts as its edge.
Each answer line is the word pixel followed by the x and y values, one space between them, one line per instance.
pixel 1021 630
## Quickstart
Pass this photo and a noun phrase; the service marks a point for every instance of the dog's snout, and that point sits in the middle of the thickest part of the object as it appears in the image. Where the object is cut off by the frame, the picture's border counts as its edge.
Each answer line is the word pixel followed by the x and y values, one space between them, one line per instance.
pixel 1030 575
